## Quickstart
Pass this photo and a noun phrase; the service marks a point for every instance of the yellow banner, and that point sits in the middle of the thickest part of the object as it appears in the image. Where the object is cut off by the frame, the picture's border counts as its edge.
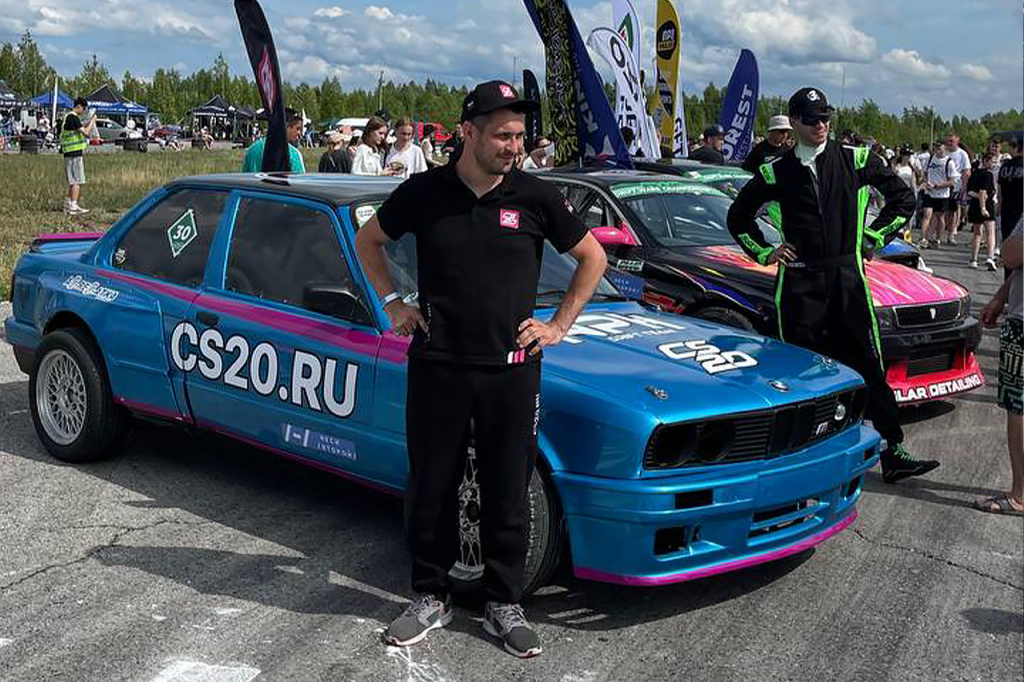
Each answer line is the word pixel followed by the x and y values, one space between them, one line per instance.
pixel 666 45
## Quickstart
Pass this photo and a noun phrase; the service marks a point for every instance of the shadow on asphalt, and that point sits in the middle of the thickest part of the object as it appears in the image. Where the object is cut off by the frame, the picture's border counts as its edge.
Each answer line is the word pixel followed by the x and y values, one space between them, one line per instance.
pixel 994 621
pixel 342 548
pixel 924 489
pixel 912 414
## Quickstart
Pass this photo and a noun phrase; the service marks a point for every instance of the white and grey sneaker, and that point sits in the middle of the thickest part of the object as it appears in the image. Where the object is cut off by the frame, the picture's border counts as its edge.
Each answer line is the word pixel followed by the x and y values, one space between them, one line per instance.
pixel 973 264
pixel 508 622
pixel 991 265
pixel 420 617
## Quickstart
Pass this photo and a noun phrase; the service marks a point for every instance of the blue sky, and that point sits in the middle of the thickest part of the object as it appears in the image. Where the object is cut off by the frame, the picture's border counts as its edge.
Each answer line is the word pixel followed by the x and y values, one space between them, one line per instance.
pixel 962 56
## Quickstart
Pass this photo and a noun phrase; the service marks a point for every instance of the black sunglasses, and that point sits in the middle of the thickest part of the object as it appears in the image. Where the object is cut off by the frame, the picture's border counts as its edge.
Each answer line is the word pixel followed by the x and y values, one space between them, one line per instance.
pixel 815 120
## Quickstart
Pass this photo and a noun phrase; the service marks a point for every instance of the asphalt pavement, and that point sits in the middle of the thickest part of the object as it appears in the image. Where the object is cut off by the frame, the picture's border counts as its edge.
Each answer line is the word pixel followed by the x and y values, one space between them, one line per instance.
pixel 184 560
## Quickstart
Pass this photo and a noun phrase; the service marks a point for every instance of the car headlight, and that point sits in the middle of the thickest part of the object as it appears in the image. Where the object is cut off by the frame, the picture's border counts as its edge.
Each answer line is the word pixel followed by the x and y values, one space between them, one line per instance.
pixel 886 318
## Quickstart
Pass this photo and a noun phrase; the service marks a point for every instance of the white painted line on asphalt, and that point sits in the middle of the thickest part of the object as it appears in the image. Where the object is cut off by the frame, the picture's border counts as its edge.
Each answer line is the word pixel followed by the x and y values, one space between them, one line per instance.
pixel 226 611
pixel 192 671
pixel 290 569
pixel 5 641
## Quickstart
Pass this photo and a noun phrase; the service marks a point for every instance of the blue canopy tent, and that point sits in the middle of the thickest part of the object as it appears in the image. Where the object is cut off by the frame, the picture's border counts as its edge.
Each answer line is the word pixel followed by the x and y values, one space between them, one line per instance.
pixel 108 102
pixel 45 100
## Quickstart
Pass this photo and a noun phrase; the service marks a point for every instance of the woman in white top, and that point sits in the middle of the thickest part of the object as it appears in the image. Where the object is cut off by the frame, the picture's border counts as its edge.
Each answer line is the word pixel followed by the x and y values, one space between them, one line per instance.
pixel 427 145
pixel 367 158
pixel 405 158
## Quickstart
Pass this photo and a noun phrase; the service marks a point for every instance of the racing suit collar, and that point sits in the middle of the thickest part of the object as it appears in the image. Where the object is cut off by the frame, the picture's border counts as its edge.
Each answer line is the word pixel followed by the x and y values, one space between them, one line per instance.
pixel 808 154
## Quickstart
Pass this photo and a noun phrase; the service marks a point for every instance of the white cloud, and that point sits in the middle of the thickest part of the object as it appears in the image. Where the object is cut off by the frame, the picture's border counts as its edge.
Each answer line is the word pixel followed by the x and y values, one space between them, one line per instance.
pixel 789 31
pixel 381 13
pixel 910 63
pixel 976 72
pixel 332 12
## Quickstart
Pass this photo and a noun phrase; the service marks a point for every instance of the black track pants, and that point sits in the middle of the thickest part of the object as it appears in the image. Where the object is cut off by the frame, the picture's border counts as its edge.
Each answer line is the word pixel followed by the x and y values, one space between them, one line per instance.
pixel 504 404
pixel 828 312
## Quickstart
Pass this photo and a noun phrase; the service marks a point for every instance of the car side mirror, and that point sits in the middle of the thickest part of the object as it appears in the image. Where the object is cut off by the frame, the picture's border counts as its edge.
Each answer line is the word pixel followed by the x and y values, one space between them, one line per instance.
pixel 612 237
pixel 336 300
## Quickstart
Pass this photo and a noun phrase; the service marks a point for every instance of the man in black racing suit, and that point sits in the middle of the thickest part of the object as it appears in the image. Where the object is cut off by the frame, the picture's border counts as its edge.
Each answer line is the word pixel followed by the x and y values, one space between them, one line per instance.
pixel 817 194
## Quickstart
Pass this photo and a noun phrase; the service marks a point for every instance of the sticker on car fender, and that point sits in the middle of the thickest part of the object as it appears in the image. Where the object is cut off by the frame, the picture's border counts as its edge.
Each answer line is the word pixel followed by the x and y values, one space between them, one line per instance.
pixel 313 382
pixel 91 289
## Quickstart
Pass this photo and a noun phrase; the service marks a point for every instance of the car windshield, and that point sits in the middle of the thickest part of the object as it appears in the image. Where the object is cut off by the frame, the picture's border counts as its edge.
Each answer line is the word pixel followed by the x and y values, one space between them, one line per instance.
pixel 556 269
pixel 689 219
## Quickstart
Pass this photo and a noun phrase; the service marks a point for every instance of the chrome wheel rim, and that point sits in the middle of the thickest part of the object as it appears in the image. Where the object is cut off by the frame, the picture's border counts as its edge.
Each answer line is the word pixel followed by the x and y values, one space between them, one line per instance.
pixel 60 397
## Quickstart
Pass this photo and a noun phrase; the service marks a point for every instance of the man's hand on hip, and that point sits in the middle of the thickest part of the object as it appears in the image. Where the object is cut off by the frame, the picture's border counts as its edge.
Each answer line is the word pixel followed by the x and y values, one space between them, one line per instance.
pixel 405 318
pixel 540 334
pixel 783 252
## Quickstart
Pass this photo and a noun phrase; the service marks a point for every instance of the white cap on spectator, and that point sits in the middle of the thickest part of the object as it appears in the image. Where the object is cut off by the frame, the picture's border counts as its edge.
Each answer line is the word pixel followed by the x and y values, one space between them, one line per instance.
pixel 779 123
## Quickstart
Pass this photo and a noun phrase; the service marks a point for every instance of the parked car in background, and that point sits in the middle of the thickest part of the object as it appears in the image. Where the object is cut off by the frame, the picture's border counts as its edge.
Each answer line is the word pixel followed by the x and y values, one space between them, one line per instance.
pixel 670 448
pixel 110 131
pixel 671 233
pixel 729 179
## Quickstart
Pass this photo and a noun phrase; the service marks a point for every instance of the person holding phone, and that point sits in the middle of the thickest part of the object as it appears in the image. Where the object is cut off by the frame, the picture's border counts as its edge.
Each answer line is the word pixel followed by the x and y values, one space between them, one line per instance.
pixel 405 158
pixel 74 139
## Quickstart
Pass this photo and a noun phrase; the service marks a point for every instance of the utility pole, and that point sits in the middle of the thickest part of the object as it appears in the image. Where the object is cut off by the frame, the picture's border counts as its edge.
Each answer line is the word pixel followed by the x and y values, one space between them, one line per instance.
pixel 380 91
pixel 515 68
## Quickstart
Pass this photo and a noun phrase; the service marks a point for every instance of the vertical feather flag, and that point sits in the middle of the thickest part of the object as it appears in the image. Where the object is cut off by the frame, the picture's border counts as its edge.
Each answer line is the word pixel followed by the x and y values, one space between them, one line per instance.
pixel 581 117
pixel 259 43
pixel 740 108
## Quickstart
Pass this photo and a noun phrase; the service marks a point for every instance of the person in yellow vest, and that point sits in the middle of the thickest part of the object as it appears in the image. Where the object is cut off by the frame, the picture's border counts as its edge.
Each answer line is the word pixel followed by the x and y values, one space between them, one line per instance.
pixel 74 138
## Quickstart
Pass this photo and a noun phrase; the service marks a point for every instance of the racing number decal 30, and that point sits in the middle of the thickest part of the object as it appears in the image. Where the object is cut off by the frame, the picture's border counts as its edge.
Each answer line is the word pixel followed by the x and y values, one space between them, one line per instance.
pixel 312 383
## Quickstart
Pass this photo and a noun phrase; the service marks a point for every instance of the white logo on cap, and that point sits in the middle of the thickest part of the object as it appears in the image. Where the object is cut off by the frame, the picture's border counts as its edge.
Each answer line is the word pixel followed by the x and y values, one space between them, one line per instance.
pixel 812 95
pixel 507 92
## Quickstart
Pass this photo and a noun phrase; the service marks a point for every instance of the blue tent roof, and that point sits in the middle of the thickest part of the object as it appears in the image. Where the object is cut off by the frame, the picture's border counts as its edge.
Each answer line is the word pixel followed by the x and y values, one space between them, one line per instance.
pixel 117 107
pixel 46 100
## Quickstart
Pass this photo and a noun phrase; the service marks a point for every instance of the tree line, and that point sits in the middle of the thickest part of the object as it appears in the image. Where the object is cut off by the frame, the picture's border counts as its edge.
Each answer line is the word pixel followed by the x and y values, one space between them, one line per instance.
pixel 172 94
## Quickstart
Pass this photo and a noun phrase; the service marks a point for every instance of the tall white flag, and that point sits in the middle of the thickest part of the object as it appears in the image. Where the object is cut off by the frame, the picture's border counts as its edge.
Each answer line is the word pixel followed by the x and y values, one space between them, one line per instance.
pixel 631 103
pixel 627 25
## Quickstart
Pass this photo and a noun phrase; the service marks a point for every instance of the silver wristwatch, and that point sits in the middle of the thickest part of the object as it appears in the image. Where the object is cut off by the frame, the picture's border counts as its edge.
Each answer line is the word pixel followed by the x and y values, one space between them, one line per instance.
pixel 390 298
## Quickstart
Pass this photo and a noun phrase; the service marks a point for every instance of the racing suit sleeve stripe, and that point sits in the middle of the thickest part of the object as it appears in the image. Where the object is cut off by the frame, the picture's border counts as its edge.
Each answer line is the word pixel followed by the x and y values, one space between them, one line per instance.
pixel 742 219
pixel 862 206
pixel 899 199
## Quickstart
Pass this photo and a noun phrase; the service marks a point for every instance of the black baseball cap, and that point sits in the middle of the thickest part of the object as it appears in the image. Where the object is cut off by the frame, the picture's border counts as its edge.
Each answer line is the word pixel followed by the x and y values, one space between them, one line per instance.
pixel 494 95
pixel 713 131
pixel 809 102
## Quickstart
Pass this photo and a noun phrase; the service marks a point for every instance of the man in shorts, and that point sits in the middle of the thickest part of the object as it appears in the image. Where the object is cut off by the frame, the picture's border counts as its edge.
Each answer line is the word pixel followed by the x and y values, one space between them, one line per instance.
pixel 958 198
pixel 74 138
pixel 939 178
pixel 1011 371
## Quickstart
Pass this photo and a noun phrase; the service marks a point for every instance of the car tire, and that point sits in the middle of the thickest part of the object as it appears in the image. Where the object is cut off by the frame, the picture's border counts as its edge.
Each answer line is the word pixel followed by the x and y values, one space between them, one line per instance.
pixel 545 531
pixel 726 316
pixel 81 424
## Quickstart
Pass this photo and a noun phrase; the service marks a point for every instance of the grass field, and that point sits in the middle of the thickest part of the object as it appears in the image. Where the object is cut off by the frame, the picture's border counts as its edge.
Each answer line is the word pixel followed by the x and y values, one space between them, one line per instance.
pixel 32 191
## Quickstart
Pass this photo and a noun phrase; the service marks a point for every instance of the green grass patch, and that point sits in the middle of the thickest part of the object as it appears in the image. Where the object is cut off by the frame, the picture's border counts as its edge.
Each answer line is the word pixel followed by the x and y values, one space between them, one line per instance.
pixel 33 188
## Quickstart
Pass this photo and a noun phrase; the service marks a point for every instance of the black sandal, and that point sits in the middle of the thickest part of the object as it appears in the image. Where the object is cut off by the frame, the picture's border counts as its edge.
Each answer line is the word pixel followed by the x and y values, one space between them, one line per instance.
pixel 998 504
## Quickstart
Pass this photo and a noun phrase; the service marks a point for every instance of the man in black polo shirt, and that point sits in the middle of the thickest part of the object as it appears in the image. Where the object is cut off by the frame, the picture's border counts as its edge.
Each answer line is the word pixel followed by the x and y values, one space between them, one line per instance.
pixel 480 225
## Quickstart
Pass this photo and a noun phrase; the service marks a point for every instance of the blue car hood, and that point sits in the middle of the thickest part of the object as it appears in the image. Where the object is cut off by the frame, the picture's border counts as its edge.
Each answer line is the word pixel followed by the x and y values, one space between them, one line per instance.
pixel 683 368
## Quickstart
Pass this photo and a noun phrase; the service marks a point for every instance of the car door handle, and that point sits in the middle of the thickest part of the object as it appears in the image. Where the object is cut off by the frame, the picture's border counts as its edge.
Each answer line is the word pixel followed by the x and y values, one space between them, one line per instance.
pixel 207 318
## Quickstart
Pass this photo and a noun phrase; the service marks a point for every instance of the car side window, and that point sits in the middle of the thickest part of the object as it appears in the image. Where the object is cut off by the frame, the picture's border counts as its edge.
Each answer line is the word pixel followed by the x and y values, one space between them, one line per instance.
pixel 172 241
pixel 277 248
pixel 596 212
pixel 401 254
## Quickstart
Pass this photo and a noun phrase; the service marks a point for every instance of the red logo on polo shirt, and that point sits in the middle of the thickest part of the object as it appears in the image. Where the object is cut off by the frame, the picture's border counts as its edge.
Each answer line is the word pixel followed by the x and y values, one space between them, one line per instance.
pixel 509 219
pixel 507 92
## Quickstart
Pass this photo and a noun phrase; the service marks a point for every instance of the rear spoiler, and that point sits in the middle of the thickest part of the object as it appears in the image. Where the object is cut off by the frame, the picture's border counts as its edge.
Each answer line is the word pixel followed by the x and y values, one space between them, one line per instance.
pixel 63 237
